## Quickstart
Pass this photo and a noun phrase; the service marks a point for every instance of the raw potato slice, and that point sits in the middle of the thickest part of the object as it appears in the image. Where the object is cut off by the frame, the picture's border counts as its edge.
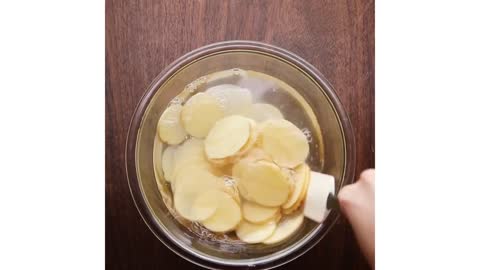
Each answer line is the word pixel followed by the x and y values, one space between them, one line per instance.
pixel 227 137
pixel 231 190
pixel 261 112
pixel 234 99
pixel 221 162
pixel 263 182
pixel 255 233
pixel 317 193
pixel 169 126
pixel 190 153
pixel 300 176
pixel 255 213
pixel 239 167
pixel 205 204
pixel 190 173
pixel 285 142
pixel 252 140
pixel 190 199
pixel 226 217
pixel 303 194
pixel 200 114
pixel 256 154
pixel 168 162
pixel 285 228
pixel 157 156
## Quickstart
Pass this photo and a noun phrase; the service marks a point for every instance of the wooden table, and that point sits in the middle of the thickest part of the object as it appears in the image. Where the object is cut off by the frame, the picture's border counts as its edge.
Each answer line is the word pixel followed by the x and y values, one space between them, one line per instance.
pixel 143 37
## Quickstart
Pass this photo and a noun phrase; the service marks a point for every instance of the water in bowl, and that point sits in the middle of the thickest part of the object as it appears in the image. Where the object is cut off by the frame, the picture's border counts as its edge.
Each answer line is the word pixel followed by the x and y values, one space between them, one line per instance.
pixel 264 89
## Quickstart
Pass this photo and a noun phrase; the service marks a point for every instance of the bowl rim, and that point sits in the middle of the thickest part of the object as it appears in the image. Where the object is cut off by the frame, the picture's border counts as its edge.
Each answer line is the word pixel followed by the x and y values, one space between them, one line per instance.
pixel 136 120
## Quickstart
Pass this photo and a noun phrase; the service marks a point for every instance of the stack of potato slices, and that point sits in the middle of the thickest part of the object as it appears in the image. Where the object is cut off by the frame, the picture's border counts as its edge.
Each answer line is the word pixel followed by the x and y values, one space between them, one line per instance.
pixel 235 166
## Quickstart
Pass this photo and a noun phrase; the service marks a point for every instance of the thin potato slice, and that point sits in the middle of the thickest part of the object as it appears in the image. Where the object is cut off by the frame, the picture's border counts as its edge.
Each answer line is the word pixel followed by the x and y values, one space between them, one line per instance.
pixel 234 99
pixel 252 140
pixel 317 193
pixel 299 177
pixel 227 137
pixel 226 217
pixel 303 194
pixel 239 167
pixel 256 154
pixel 189 173
pixel 285 228
pixel 285 142
pixel 169 126
pixel 190 153
pixel 261 112
pixel 256 213
pixel 305 186
pixel 254 233
pixel 231 189
pixel 200 114
pixel 263 182
pixel 205 204
pixel 220 162
pixel 157 156
pixel 168 162
pixel 190 200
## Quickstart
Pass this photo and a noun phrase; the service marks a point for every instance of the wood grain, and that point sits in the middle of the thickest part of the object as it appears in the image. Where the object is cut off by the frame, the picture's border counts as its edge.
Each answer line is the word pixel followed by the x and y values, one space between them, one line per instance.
pixel 143 37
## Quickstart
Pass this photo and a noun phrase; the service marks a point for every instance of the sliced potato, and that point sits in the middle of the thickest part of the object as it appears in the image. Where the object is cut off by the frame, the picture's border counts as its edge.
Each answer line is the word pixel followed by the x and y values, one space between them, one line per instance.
pixel 234 99
pixel 261 112
pixel 227 137
pixel 256 213
pixel 168 162
pixel 189 173
pixel 205 204
pixel 190 153
pixel 169 126
pixel 284 142
pixel 239 167
pixel 200 114
pixel 157 156
pixel 299 178
pixel 226 217
pixel 256 154
pixel 226 169
pixel 192 197
pixel 277 217
pixel 285 228
pixel 317 193
pixel 252 140
pixel 302 196
pixel 232 191
pixel 254 233
pixel 263 182
pixel 221 162
pixel 305 186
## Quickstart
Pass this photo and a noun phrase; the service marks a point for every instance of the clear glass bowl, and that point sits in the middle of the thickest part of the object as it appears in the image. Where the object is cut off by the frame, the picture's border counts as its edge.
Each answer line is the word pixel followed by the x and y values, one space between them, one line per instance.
pixel 332 144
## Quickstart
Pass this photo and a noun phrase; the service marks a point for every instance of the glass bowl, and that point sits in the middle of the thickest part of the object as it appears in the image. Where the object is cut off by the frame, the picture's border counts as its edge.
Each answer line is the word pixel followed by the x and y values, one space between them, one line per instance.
pixel 331 142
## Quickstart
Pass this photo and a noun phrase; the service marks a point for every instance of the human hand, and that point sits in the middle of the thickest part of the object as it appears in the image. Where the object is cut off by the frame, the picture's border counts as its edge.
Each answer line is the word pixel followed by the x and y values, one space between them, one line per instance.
pixel 357 202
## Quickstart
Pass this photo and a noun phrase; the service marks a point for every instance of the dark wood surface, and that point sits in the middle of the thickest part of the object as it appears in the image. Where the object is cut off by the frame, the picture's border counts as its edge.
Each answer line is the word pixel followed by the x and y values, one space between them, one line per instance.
pixel 143 37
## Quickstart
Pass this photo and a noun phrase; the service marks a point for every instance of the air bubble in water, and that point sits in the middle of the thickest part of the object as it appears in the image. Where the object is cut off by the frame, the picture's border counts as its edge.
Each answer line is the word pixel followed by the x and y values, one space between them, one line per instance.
pixel 175 101
pixel 229 181
pixel 308 134
pixel 236 71
pixel 202 79
pixel 190 87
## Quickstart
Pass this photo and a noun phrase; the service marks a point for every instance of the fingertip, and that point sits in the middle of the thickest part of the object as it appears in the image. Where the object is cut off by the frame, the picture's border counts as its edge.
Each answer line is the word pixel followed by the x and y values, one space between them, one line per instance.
pixel 345 194
pixel 368 174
